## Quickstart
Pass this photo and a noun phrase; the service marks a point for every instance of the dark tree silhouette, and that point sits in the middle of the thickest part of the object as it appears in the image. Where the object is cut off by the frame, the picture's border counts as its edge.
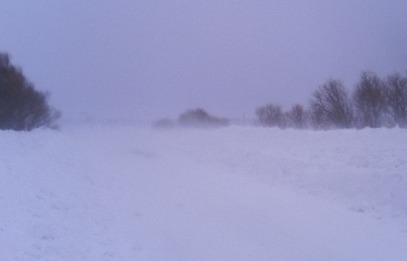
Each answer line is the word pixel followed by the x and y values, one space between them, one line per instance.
pixel 21 106
pixel 370 101
pixel 396 86
pixel 271 115
pixel 297 117
pixel 331 107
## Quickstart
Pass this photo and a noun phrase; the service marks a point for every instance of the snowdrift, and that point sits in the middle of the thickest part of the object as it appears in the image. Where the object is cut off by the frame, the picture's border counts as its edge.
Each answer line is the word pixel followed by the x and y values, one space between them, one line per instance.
pixel 237 193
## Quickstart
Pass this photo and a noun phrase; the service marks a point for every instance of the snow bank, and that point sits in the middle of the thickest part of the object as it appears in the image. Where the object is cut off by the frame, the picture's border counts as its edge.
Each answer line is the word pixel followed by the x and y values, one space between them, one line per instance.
pixel 237 193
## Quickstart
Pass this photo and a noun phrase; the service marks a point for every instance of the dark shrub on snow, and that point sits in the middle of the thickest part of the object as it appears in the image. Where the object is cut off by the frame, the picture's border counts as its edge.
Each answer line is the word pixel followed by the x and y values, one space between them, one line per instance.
pixel 331 107
pixel 271 115
pixel 163 124
pixel 21 106
pixel 200 118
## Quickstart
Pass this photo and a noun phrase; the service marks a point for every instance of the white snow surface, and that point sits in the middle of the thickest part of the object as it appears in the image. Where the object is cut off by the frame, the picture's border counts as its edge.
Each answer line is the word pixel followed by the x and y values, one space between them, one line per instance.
pixel 236 193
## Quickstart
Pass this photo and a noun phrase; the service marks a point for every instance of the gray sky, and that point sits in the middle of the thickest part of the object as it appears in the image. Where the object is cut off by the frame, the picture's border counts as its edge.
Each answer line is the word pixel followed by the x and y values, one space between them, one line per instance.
pixel 150 59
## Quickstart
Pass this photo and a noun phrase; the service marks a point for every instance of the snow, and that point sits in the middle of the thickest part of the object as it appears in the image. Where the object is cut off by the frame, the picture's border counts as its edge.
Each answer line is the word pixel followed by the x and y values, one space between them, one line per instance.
pixel 238 193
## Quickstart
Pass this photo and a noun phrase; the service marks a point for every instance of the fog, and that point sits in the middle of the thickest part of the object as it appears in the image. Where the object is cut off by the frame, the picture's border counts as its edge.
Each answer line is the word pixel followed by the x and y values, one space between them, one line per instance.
pixel 144 60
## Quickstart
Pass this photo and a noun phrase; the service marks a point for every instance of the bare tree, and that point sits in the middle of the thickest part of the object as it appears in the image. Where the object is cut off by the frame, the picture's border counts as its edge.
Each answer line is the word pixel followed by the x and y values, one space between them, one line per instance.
pixel 331 107
pixel 297 117
pixel 271 115
pixel 396 86
pixel 370 101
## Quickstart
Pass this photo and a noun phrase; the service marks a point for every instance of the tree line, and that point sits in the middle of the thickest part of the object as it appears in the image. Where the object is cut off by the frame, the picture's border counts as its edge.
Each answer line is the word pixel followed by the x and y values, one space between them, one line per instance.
pixel 374 102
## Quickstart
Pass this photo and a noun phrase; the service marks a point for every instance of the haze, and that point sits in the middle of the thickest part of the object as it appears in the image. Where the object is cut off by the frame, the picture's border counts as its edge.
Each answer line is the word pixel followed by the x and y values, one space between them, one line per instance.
pixel 144 60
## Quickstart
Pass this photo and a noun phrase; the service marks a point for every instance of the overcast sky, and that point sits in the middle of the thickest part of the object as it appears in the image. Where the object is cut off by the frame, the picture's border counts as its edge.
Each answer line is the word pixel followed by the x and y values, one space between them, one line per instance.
pixel 150 59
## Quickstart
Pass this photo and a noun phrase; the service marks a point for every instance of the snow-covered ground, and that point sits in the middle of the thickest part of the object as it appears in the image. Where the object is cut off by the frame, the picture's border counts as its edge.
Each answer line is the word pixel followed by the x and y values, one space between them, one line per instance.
pixel 237 193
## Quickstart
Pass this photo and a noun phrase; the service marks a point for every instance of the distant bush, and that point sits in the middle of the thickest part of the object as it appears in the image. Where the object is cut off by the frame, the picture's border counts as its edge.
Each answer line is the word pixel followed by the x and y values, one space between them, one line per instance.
pixel 271 115
pixel 396 97
pixel 163 124
pixel 297 117
pixel 21 106
pixel 191 118
pixel 200 118
pixel 370 101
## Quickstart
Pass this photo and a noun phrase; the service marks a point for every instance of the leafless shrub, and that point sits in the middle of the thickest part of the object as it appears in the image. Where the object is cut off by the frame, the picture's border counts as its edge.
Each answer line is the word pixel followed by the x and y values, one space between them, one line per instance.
pixel 396 86
pixel 370 101
pixel 297 117
pixel 271 115
pixel 330 106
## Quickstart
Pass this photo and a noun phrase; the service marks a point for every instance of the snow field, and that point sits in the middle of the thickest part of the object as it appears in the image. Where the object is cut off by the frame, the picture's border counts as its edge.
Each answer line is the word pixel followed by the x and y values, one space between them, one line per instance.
pixel 237 193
